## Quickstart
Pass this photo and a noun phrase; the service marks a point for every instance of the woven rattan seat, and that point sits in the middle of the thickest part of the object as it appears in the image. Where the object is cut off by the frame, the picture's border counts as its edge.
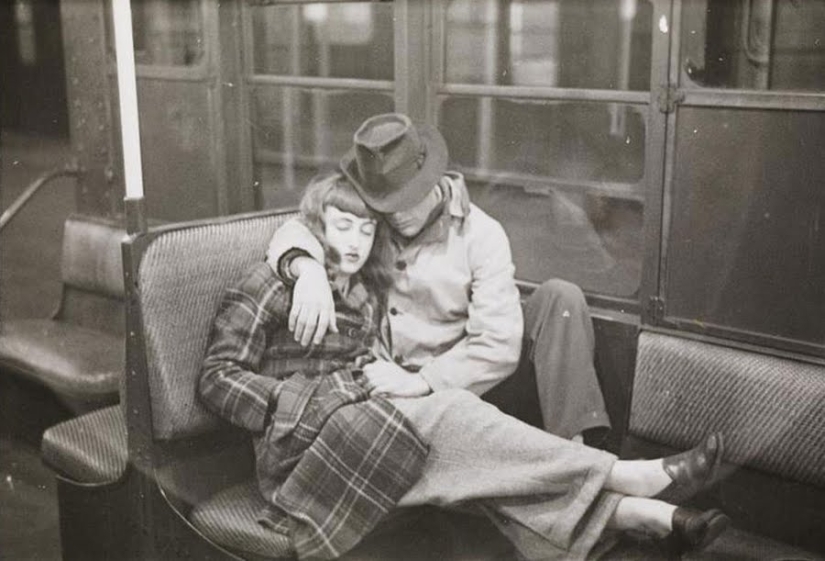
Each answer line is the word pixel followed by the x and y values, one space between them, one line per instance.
pixel 90 448
pixel 771 411
pixel 229 518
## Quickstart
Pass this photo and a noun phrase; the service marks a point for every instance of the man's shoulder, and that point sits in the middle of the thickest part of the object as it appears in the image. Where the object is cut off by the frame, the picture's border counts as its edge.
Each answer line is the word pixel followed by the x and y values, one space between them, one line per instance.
pixel 479 223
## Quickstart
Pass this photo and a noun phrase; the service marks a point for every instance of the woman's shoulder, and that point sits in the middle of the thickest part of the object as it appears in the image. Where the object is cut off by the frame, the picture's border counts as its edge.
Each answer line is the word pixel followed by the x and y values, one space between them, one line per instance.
pixel 262 286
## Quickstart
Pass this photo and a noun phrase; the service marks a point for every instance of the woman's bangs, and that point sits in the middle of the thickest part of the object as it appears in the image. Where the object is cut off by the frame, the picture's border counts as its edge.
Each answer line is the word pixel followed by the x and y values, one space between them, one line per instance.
pixel 345 198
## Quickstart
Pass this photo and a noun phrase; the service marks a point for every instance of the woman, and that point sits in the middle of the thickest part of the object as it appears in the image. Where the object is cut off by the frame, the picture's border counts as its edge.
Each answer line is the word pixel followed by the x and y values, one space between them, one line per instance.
pixel 550 496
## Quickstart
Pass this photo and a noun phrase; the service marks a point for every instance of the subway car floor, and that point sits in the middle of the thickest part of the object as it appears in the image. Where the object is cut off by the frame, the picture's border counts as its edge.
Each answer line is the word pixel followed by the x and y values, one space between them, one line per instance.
pixel 30 247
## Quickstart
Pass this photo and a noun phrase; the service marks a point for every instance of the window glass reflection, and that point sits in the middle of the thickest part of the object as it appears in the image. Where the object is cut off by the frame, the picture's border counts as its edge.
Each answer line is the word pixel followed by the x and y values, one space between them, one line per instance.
pixel 588 238
pixel 566 43
pixel 754 44
pixel 569 141
pixel 297 133
pixel 341 40
pixel 167 33
pixel 565 180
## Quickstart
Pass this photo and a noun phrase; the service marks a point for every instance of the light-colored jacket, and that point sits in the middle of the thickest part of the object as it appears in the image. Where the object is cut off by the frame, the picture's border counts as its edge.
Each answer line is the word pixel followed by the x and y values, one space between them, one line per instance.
pixel 454 310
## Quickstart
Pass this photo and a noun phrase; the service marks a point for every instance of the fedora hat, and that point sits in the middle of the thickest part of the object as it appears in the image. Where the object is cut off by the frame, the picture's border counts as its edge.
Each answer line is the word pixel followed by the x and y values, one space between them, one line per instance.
pixel 394 164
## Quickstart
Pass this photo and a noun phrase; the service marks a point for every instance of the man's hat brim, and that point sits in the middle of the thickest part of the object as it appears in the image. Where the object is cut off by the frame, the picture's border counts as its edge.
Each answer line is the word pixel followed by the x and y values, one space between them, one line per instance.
pixel 415 189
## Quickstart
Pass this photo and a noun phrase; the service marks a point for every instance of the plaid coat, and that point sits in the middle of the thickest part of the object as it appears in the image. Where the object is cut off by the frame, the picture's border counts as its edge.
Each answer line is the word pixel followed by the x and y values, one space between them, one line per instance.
pixel 330 460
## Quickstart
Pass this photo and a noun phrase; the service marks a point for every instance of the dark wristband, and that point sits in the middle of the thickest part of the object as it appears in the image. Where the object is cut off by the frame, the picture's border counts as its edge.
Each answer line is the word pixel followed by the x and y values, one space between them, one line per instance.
pixel 285 262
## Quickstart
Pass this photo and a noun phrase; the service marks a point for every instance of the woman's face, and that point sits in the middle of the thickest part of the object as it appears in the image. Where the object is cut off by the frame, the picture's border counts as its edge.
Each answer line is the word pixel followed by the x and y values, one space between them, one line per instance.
pixel 351 236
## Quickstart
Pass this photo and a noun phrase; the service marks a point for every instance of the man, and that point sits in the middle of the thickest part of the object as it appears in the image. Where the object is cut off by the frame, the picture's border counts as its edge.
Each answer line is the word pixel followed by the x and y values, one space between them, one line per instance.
pixel 454 314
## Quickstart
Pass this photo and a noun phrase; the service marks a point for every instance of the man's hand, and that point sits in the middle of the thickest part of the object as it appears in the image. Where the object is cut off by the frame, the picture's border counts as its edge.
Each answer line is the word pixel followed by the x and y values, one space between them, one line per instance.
pixel 390 380
pixel 313 310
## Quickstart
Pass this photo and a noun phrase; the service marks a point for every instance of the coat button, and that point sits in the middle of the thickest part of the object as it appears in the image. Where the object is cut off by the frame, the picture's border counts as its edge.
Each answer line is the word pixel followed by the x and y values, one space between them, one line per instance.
pixel 400 265
pixel 394 311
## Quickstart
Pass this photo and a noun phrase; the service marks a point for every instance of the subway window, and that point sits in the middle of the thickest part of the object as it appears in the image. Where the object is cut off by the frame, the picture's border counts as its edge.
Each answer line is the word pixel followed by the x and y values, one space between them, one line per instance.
pixel 562 171
pixel 749 44
pixel 746 247
pixel 317 71
pixel 342 40
pixel 564 43
pixel 165 33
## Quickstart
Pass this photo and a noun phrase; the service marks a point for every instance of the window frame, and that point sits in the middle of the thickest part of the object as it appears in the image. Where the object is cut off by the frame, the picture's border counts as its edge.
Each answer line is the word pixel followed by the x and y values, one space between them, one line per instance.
pixel 685 96
pixel 419 83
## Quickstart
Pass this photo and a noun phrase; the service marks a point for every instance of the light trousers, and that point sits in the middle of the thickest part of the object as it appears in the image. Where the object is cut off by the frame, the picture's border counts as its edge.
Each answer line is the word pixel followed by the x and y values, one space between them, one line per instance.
pixel 543 492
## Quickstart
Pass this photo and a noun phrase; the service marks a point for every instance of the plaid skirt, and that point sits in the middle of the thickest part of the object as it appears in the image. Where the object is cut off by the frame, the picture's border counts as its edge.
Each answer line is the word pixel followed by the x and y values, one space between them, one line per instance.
pixel 333 462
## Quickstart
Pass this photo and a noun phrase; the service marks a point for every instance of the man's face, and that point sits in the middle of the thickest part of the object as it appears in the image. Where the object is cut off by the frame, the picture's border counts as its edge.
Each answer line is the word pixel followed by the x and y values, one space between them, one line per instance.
pixel 411 221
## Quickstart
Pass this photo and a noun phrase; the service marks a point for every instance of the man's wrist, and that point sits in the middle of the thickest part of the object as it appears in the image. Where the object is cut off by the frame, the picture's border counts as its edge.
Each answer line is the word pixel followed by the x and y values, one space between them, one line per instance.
pixel 300 265
pixel 284 266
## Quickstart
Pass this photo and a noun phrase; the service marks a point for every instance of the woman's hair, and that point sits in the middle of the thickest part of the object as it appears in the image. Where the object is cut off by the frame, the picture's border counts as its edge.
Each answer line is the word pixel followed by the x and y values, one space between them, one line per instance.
pixel 335 190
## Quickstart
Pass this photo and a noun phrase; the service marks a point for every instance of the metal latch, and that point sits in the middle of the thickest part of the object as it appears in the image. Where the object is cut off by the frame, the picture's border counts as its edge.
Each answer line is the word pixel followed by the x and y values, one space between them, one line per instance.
pixel 656 309
pixel 669 96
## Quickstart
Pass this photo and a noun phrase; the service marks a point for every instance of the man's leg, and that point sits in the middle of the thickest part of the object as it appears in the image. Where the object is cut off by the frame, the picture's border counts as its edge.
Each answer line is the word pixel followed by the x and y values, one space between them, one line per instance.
pixel 559 345
pixel 544 492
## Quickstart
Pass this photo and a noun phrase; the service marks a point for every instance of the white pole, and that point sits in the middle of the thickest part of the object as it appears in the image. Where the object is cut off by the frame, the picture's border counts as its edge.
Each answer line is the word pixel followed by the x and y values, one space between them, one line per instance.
pixel 127 94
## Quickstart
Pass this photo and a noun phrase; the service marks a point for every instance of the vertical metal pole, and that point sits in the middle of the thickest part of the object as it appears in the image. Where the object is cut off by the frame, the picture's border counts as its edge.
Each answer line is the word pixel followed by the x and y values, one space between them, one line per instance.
pixel 412 70
pixel 218 109
pixel 618 112
pixel 129 117
pixel 486 117
pixel 757 39
pixel 658 149
pixel 320 100
pixel 290 102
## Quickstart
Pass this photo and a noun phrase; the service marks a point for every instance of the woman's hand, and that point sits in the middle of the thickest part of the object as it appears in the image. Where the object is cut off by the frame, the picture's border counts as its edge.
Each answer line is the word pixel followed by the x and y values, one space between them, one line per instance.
pixel 313 310
pixel 390 380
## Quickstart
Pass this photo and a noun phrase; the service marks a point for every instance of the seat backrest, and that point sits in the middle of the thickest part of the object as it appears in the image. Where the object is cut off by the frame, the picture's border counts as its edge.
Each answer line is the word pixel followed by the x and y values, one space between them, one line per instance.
pixel 182 274
pixel 92 273
pixel 91 255
pixel 771 410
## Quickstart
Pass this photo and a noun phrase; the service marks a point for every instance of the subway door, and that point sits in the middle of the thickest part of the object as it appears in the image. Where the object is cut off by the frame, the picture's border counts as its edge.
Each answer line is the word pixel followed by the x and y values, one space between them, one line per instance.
pixel 180 109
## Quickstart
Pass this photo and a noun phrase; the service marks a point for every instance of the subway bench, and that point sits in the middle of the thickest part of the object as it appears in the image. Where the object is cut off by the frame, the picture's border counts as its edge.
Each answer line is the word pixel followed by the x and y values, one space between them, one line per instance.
pixel 193 474
pixel 772 413
pixel 79 352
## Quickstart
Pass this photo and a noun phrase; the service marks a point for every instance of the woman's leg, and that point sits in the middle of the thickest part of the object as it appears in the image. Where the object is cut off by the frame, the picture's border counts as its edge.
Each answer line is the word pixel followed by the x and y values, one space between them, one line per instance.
pixel 638 478
pixel 648 516
pixel 686 529
pixel 542 491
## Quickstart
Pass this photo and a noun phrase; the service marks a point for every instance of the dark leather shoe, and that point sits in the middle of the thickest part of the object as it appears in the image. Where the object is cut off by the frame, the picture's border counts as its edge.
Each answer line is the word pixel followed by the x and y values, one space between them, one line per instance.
pixel 694 530
pixel 694 470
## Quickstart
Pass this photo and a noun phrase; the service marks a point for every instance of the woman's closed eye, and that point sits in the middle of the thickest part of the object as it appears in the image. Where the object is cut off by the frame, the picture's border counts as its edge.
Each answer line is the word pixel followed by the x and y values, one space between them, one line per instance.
pixel 368 229
pixel 343 224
